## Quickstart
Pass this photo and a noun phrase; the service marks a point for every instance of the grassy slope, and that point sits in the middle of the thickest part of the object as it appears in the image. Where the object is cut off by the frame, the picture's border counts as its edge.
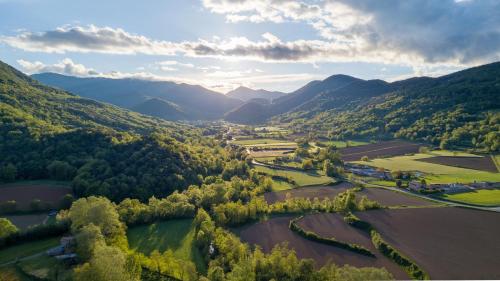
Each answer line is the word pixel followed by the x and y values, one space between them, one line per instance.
pixel 281 185
pixel 436 173
pixel 300 178
pixel 175 235
pixel 480 197
pixel 27 249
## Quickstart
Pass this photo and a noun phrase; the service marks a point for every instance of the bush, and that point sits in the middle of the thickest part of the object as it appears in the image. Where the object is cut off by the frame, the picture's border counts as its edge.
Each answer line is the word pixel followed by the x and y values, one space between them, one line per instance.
pixel 365 158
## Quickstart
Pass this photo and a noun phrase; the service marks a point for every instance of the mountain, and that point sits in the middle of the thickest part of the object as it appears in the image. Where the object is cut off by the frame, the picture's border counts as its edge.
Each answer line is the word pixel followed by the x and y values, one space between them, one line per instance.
pixel 47 133
pixel 161 109
pixel 196 102
pixel 459 110
pixel 246 94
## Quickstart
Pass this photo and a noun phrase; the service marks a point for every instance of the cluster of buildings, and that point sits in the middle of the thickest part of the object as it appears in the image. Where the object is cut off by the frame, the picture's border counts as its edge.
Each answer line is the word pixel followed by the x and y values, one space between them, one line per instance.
pixel 367 171
pixel 65 251
pixel 451 187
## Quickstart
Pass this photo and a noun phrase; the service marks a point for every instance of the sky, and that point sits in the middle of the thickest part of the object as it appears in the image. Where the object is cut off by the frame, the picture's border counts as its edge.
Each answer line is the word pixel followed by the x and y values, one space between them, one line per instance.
pixel 270 44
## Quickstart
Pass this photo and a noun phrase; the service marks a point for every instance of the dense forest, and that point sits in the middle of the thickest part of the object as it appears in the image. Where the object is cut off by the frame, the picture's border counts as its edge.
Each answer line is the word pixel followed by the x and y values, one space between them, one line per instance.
pixel 104 150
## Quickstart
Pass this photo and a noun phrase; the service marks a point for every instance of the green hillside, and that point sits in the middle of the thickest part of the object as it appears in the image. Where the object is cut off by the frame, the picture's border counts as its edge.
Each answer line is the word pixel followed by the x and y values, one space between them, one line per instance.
pixel 50 134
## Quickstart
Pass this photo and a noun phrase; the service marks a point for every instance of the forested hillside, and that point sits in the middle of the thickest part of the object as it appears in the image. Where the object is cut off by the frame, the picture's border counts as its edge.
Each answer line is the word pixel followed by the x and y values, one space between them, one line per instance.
pixel 50 134
pixel 456 110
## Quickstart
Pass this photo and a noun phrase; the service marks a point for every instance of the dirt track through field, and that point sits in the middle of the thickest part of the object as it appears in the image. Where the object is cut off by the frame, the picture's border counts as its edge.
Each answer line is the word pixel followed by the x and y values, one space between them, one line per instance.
pixel 448 243
pixel 475 163
pixel 275 231
pixel 381 149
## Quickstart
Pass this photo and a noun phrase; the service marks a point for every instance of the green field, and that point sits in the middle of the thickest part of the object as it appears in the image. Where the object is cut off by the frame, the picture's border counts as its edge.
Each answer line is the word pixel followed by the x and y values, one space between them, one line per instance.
pixel 259 141
pixel 343 144
pixel 281 185
pixel 175 235
pixel 435 173
pixel 484 197
pixel 301 178
pixel 27 249
pixel 384 183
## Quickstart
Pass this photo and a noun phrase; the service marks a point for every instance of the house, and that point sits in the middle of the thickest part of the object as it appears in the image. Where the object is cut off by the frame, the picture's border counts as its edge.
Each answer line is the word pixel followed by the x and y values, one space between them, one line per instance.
pixel 417 186
pixel 66 246
pixel 456 188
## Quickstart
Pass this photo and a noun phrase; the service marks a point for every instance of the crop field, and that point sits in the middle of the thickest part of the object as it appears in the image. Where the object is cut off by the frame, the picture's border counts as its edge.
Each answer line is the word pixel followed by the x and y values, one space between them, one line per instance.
pixel 308 192
pixel 484 197
pixel 343 144
pixel 270 153
pixel 24 221
pixel 301 178
pixel 393 198
pixel 281 185
pixel 27 249
pixel 259 141
pixel 330 225
pixel 268 234
pixel 475 163
pixel 436 173
pixel 448 243
pixel 176 235
pixel 25 192
pixel 381 149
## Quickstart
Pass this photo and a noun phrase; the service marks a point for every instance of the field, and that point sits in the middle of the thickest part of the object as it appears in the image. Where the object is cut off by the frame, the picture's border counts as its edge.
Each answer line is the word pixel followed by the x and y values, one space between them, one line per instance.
pixel 393 198
pixel 333 225
pixel 25 192
pixel 260 141
pixel 301 178
pixel 24 221
pixel 448 243
pixel 27 249
pixel 484 197
pixel 436 173
pixel 475 163
pixel 343 144
pixel 308 192
pixel 381 149
pixel 270 153
pixel 281 185
pixel 175 235
pixel 268 234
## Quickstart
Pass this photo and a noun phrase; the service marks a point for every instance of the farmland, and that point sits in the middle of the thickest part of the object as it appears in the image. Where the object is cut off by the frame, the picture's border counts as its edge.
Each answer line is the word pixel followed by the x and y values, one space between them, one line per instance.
pixel 26 220
pixel 300 178
pixel 275 231
pixel 435 173
pixel 446 242
pixel 319 192
pixel 343 144
pixel 27 249
pixel 475 163
pixel 260 141
pixel 25 192
pixel 393 198
pixel 483 197
pixel 381 149
pixel 176 235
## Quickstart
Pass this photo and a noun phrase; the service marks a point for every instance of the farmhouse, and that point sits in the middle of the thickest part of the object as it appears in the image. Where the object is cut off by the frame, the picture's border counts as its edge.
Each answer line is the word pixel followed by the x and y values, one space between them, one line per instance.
pixel 368 172
pixel 417 186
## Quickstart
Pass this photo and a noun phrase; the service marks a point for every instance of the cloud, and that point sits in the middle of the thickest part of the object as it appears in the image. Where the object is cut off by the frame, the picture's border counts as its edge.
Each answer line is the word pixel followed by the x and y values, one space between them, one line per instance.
pixel 89 39
pixel 209 77
pixel 66 66
pixel 455 32
pixel 416 33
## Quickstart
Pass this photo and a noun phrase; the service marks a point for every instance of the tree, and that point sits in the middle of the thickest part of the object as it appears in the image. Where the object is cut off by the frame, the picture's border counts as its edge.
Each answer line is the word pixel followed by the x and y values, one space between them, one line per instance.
pixel 8 173
pixel 61 170
pixel 365 158
pixel 107 264
pixel 7 228
pixel 307 164
pixel 100 212
pixel 87 239
pixel 328 168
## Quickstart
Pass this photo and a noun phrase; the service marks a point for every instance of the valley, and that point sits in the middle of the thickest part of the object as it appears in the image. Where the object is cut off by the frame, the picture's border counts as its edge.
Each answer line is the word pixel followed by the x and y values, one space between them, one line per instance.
pixel 158 188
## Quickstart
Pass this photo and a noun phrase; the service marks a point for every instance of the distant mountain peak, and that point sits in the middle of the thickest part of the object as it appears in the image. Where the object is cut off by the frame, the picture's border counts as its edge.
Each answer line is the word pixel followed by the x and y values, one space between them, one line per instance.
pixel 245 94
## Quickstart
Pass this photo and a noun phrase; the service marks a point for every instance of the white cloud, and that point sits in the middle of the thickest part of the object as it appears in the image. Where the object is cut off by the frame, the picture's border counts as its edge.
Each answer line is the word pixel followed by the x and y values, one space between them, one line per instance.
pixel 66 66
